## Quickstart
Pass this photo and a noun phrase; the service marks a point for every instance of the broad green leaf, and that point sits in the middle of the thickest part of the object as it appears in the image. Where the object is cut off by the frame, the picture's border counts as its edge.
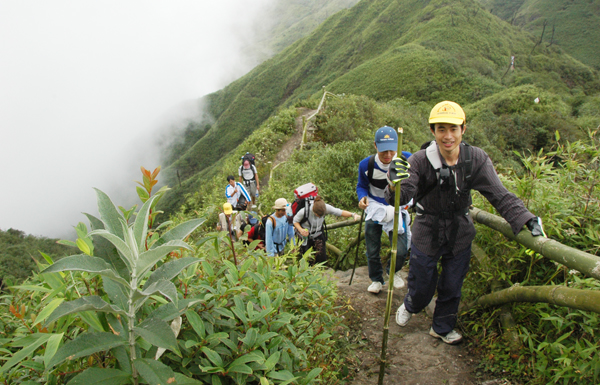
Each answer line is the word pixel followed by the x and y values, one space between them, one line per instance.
pixel 239 309
pixel 52 347
pixel 140 226
pixel 82 262
pixel 213 356
pixel 25 352
pixel 239 368
pixel 250 338
pixel 249 357
pixel 85 345
pixel 282 375
pixel 180 379
pixel 83 304
pixel 47 258
pixel 148 258
pixel 142 193
pixel 180 231
pixel 272 360
pixel 311 376
pixel 264 381
pixel 154 372
pixel 90 318
pixel 95 223
pixel 117 293
pixel 170 270
pixel 83 246
pixel 66 243
pixel 166 312
pixel 158 333
pixel 54 280
pixel 164 287
pixel 122 355
pixel 98 376
pixel 124 250
pixel 196 322
pixel 47 310
pixel 109 214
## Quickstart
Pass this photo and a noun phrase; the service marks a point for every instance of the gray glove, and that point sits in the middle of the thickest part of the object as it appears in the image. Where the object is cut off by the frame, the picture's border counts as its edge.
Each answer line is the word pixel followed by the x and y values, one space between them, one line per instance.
pixel 535 226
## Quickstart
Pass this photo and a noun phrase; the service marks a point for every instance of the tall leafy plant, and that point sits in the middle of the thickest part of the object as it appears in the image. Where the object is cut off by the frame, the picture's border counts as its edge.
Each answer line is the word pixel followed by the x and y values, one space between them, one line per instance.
pixel 124 259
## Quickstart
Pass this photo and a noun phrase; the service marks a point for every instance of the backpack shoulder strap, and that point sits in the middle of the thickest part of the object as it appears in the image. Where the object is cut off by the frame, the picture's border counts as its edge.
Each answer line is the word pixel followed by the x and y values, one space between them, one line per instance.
pixel 468 167
pixel 433 155
pixel 370 168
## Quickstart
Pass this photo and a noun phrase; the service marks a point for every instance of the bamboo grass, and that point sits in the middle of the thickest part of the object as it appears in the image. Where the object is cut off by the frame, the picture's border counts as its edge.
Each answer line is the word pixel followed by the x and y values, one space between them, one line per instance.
pixel 390 295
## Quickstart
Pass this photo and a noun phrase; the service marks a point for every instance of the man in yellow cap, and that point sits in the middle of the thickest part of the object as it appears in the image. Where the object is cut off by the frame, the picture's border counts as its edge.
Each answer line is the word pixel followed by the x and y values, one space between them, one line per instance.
pixel 440 178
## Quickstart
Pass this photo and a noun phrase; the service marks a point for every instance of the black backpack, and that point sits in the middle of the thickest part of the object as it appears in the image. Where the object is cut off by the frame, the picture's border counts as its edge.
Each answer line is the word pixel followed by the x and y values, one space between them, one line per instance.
pixel 248 157
pixel 260 227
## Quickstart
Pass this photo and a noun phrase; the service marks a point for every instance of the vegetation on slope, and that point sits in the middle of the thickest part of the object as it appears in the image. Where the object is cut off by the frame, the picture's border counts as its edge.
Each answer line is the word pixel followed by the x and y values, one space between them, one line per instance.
pixel 19 253
pixel 422 51
pixel 570 24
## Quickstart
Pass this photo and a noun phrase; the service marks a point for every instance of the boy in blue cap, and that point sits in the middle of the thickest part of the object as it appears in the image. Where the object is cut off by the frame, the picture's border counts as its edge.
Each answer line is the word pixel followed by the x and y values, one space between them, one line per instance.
pixel 378 213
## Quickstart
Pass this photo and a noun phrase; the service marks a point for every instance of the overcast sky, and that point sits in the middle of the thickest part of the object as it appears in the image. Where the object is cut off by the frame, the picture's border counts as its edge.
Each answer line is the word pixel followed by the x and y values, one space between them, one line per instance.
pixel 84 85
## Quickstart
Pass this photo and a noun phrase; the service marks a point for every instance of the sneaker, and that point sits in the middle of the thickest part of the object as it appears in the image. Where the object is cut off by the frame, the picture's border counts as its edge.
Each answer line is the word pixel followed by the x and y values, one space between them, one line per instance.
pixel 375 287
pixel 451 338
pixel 398 281
pixel 402 316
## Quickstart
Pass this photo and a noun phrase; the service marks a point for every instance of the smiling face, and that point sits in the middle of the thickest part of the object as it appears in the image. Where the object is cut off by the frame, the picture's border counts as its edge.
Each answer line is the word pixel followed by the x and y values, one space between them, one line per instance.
pixel 448 137
pixel 386 156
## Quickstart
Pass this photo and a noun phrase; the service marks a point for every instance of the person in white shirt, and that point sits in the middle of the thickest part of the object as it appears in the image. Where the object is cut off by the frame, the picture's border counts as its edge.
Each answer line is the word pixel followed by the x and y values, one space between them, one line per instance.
pixel 309 220
pixel 236 194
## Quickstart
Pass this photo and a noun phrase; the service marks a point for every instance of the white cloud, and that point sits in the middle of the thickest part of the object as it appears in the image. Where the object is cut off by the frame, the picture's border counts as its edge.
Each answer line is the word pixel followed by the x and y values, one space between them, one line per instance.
pixel 83 83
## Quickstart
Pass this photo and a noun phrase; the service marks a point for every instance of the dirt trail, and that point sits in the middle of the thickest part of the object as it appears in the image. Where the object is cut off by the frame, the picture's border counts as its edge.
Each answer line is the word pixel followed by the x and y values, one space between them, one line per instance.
pixel 415 358
pixel 292 144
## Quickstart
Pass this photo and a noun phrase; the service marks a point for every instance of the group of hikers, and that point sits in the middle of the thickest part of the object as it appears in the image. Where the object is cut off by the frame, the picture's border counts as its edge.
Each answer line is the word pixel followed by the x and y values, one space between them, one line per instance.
pixel 435 182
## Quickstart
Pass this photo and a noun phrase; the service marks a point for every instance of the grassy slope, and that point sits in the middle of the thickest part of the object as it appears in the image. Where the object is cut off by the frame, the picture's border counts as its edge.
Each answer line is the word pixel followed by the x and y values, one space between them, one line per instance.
pixel 385 49
pixel 576 23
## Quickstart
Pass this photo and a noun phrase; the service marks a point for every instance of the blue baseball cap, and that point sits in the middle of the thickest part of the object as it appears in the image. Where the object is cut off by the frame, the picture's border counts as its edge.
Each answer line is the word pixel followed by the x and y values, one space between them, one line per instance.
pixel 386 139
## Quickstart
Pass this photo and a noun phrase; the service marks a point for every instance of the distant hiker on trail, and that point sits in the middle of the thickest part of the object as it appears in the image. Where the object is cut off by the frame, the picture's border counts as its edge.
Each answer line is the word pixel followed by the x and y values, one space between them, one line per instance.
pixel 278 233
pixel 440 178
pixel 309 220
pixel 370 190
pixel 236 194
pixel 249 177
pixel 231 220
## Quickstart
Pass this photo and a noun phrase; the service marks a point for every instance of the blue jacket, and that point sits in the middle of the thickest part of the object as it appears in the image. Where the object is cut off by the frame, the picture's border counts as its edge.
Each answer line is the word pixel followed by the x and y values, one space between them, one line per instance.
pixel 277 237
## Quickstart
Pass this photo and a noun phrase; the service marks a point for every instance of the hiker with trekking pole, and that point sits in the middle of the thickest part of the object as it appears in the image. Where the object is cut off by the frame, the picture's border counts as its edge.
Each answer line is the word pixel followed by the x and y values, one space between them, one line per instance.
pixel 379 214
pixel 439 178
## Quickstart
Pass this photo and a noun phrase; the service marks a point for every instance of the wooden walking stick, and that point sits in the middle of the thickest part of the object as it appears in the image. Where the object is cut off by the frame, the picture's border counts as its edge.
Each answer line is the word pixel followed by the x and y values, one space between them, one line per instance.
pixel 388 307
pixel 362 218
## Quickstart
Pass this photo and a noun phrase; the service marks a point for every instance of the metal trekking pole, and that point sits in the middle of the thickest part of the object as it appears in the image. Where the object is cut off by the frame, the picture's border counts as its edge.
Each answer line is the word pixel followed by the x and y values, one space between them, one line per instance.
pixel 362 217
pixel 388 307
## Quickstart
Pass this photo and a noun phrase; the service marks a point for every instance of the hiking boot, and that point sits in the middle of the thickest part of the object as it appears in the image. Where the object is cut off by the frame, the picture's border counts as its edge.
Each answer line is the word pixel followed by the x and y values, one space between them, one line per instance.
pixel 402 316
pixel 375 287
pixel 451 338
pixel 398 281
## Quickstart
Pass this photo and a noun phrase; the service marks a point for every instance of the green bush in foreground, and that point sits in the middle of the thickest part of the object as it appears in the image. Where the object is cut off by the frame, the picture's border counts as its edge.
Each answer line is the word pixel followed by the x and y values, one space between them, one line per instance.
pixel 114 313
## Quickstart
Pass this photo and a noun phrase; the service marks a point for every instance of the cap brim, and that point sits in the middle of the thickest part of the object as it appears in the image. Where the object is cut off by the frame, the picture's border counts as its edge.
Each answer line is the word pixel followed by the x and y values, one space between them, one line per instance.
pixel 227 212
pixel 447 120
pixel 389 146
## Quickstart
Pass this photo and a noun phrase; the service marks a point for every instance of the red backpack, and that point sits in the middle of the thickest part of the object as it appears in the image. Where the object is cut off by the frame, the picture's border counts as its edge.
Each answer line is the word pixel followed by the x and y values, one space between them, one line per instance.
pixel 306 192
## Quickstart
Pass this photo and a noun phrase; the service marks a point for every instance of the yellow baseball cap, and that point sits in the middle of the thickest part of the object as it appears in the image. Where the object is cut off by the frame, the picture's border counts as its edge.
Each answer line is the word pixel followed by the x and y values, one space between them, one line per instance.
pixel 447 112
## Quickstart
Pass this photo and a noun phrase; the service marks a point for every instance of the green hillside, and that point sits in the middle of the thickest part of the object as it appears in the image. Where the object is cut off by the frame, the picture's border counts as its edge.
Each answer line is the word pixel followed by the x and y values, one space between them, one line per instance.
pixel 570 24
pixel 385 49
